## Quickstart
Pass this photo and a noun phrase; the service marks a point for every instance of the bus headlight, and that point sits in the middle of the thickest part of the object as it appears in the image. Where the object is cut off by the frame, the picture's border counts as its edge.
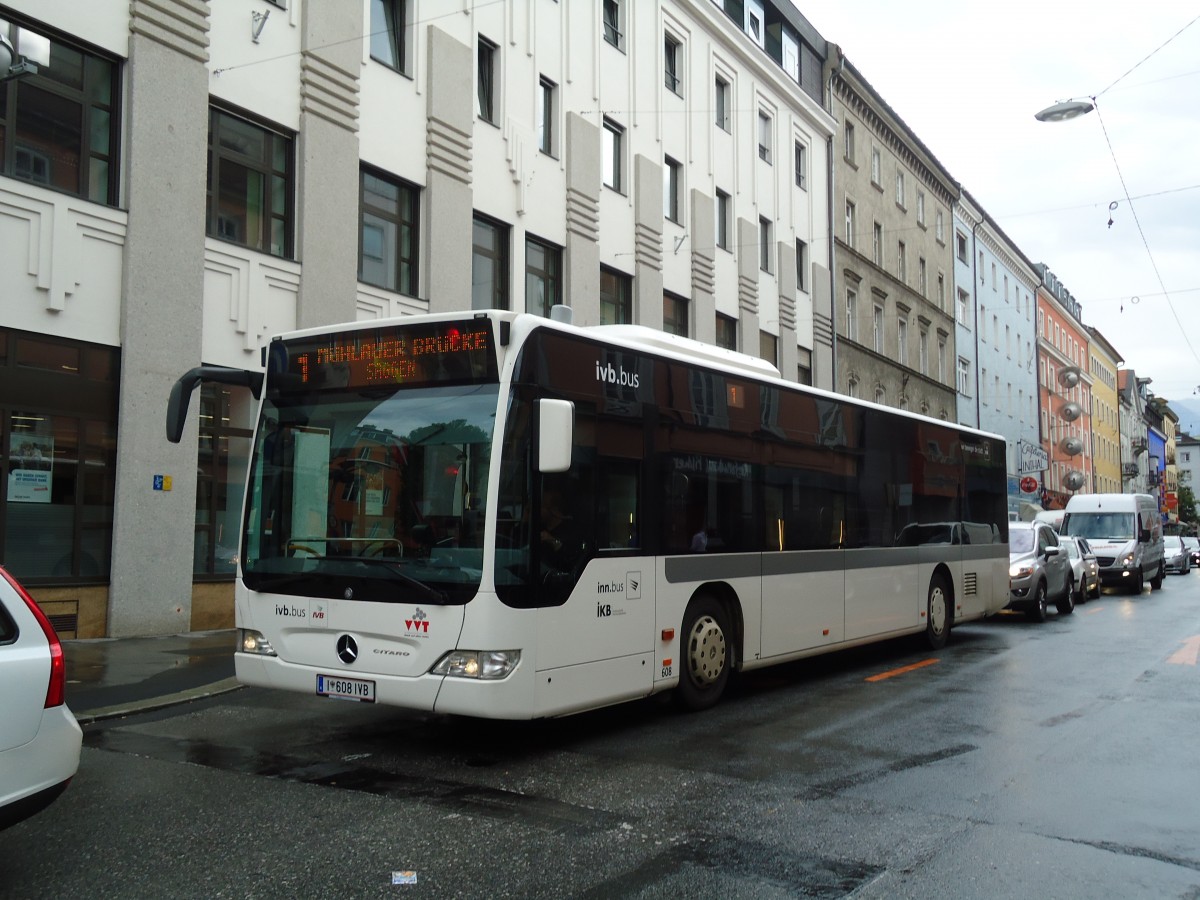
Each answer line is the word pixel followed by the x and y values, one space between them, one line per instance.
pixel 489 665
pixel 253 642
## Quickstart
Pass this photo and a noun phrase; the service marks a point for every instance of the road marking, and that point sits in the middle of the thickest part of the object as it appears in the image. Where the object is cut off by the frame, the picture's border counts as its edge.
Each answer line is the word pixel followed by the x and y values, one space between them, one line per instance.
pixel 904 670
pixel 1188 654
pixel 1095 610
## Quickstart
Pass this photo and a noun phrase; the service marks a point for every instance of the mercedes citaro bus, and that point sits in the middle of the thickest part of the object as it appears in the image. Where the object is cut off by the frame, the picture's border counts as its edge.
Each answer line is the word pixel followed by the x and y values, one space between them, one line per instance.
pixel 495 514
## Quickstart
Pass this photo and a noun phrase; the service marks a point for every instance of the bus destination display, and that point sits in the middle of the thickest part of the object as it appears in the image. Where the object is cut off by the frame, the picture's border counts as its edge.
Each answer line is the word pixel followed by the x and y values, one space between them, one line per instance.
pixel 387 357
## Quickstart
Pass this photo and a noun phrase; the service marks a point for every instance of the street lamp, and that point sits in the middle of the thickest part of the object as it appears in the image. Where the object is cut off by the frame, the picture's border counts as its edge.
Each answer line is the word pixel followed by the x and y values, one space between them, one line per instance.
pixel 1065 109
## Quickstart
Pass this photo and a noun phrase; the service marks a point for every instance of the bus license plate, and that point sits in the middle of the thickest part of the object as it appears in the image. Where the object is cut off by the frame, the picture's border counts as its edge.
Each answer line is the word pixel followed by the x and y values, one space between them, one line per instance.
pixel 345 688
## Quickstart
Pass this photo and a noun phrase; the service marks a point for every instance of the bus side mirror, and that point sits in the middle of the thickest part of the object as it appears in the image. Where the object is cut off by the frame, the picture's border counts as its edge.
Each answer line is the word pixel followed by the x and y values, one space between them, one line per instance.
pixel 556 435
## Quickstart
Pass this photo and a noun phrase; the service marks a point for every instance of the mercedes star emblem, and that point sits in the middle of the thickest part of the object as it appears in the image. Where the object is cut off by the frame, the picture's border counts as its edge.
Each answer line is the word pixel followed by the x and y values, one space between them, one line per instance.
pixel 347 650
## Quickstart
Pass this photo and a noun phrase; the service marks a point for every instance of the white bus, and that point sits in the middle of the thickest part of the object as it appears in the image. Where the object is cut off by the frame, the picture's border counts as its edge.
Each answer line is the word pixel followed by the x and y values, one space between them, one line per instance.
pixel 500 515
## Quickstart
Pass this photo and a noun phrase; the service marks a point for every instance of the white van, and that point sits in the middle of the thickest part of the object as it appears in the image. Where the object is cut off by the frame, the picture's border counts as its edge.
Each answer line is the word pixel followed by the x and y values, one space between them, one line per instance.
pixel 1125 532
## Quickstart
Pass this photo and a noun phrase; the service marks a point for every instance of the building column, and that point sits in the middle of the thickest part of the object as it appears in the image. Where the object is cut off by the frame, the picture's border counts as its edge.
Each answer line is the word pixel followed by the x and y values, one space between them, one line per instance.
pixel 327 163
pixel 165 147
pixel 581 266
pixel 747 262
pixel 703 240
pixel 447 201
pixel 648 242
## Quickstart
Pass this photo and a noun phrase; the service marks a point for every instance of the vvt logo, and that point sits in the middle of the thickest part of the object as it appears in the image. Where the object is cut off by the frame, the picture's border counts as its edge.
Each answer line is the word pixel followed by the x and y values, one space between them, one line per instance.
pixel 419 622
pixel 609 374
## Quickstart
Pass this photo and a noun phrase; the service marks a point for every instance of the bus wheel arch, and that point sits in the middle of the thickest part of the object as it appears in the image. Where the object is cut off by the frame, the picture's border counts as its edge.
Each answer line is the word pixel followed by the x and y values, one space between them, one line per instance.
pixel 939 608
pixel 709 643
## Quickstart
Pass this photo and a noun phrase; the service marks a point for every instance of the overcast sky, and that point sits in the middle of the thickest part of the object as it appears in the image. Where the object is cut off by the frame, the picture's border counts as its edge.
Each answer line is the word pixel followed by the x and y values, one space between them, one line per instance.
pixel 967 78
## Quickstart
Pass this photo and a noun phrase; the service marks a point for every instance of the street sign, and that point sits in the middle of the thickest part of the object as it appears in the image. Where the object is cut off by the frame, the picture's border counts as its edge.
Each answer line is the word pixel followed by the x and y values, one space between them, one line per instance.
pixel 1029 484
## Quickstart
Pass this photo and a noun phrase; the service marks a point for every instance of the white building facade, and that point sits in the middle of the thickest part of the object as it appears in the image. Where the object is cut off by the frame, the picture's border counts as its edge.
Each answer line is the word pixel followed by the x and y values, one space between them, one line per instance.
pixel 187 178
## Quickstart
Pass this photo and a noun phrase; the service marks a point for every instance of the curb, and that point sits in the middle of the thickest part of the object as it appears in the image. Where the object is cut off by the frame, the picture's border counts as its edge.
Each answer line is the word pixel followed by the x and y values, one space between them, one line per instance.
pixel 225 686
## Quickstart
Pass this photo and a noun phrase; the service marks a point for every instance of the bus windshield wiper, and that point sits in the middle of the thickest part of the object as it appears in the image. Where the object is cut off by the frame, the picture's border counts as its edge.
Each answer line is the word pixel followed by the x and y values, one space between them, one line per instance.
pixel 432 594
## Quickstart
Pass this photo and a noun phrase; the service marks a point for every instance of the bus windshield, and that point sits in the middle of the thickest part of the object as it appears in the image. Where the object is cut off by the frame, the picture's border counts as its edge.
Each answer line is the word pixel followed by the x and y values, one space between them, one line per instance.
pixel 1113 526
pixel 369 474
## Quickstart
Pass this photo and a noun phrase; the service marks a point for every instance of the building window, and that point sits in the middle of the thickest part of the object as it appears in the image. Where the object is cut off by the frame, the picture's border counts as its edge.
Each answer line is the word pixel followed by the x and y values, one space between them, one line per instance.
pixel 768 347
pixel 852 387
pixel 851 314
pixel 249 184
pixel 486 88
pixel 543 276
pixel 547 133
pixel 675 315
pixel 941 291
pixel 764 244
pixel 59 457
pixel 922 278
pixel 722 208
pixel 960 246
pixel 848 134
pixel 875 166
pixel 802 266
pixel 612 24
pixel 877 244
pixel 941 361
pixel 900 197
pixel 764 137
pixel 851 224
pixel 614 149
pixel 901 262
pixel 226 423
pixel 880 395
pixel 920 208
pixel 673 64
pixel 902 340
pixel 388 245
pixel 388 37
pixel 964 377
pixel 726 332
pixel 60 128
pixel 877 330
pixel 939 227
pixel 923 350
pixel 801 166
pixel 964 308
pixel 616 297
pixel 672 190
pixel 721 103
pixel 489 264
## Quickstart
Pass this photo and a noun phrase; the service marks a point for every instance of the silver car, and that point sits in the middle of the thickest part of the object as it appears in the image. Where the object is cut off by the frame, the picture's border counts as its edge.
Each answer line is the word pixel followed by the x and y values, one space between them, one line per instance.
pixel 1179 559
pixel 1038 568
pixel 1085 569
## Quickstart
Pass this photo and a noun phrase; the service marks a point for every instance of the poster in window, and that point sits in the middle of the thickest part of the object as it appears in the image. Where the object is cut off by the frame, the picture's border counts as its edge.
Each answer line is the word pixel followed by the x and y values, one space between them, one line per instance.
pixel 32 468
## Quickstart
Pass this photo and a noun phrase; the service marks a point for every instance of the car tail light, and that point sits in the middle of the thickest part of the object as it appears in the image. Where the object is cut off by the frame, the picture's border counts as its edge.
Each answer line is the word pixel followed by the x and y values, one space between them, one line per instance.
pixel 56 690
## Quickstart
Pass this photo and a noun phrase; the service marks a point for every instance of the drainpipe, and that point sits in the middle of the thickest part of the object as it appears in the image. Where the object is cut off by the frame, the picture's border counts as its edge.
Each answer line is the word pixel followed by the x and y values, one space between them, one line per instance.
pixel 829 151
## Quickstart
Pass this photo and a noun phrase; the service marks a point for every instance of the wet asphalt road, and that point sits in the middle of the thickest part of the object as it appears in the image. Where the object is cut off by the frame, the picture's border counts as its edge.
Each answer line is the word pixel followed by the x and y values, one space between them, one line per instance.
pixel 1053 760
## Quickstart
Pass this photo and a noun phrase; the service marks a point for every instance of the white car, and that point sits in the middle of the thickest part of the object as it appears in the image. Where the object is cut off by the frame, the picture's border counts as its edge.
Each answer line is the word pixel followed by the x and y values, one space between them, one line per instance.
pixel 39 737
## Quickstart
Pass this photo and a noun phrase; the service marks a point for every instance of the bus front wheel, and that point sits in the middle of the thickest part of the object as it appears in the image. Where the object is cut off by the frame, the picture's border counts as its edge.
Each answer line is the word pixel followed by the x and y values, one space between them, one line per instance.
pixel 938 608
pixel 705 653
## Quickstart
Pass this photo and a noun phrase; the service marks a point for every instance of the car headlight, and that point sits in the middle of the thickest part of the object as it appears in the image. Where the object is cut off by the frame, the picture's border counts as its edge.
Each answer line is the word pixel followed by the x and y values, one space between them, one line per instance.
pixel 487 665
pixel 250 641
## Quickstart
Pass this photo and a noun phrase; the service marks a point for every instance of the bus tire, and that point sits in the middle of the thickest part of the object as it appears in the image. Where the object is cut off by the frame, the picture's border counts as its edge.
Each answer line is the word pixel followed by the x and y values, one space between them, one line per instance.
pixel 938 613
pixel 705 654
pixel 1037 612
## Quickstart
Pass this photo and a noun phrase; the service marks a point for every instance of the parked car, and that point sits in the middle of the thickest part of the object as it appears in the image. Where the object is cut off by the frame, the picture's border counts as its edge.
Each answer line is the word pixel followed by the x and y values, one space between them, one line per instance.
pixel 39 737
pixel 1084 567
pixel 1193 545
pixel 1179 560
pixel 1038 568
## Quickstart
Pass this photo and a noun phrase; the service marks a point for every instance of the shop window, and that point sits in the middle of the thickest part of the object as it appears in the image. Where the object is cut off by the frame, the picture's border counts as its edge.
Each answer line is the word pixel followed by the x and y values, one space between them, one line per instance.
pixel 224 450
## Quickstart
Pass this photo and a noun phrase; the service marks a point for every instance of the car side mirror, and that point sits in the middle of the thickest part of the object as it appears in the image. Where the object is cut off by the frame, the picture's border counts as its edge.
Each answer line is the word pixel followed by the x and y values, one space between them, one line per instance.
pixel 1052 551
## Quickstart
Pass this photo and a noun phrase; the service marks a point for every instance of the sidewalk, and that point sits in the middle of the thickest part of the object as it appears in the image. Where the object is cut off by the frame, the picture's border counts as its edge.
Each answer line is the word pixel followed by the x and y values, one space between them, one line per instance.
pixel 111 677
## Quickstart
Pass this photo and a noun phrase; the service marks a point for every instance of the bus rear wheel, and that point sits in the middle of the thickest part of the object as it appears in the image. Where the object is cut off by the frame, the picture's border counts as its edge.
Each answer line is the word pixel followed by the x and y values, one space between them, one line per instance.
pixel 705 652
pixel 938 608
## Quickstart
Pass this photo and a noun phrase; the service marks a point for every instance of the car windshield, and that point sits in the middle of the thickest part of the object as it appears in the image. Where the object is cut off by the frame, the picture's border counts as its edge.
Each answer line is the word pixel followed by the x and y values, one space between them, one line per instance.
pixel 1111 526
pixel 1020 540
